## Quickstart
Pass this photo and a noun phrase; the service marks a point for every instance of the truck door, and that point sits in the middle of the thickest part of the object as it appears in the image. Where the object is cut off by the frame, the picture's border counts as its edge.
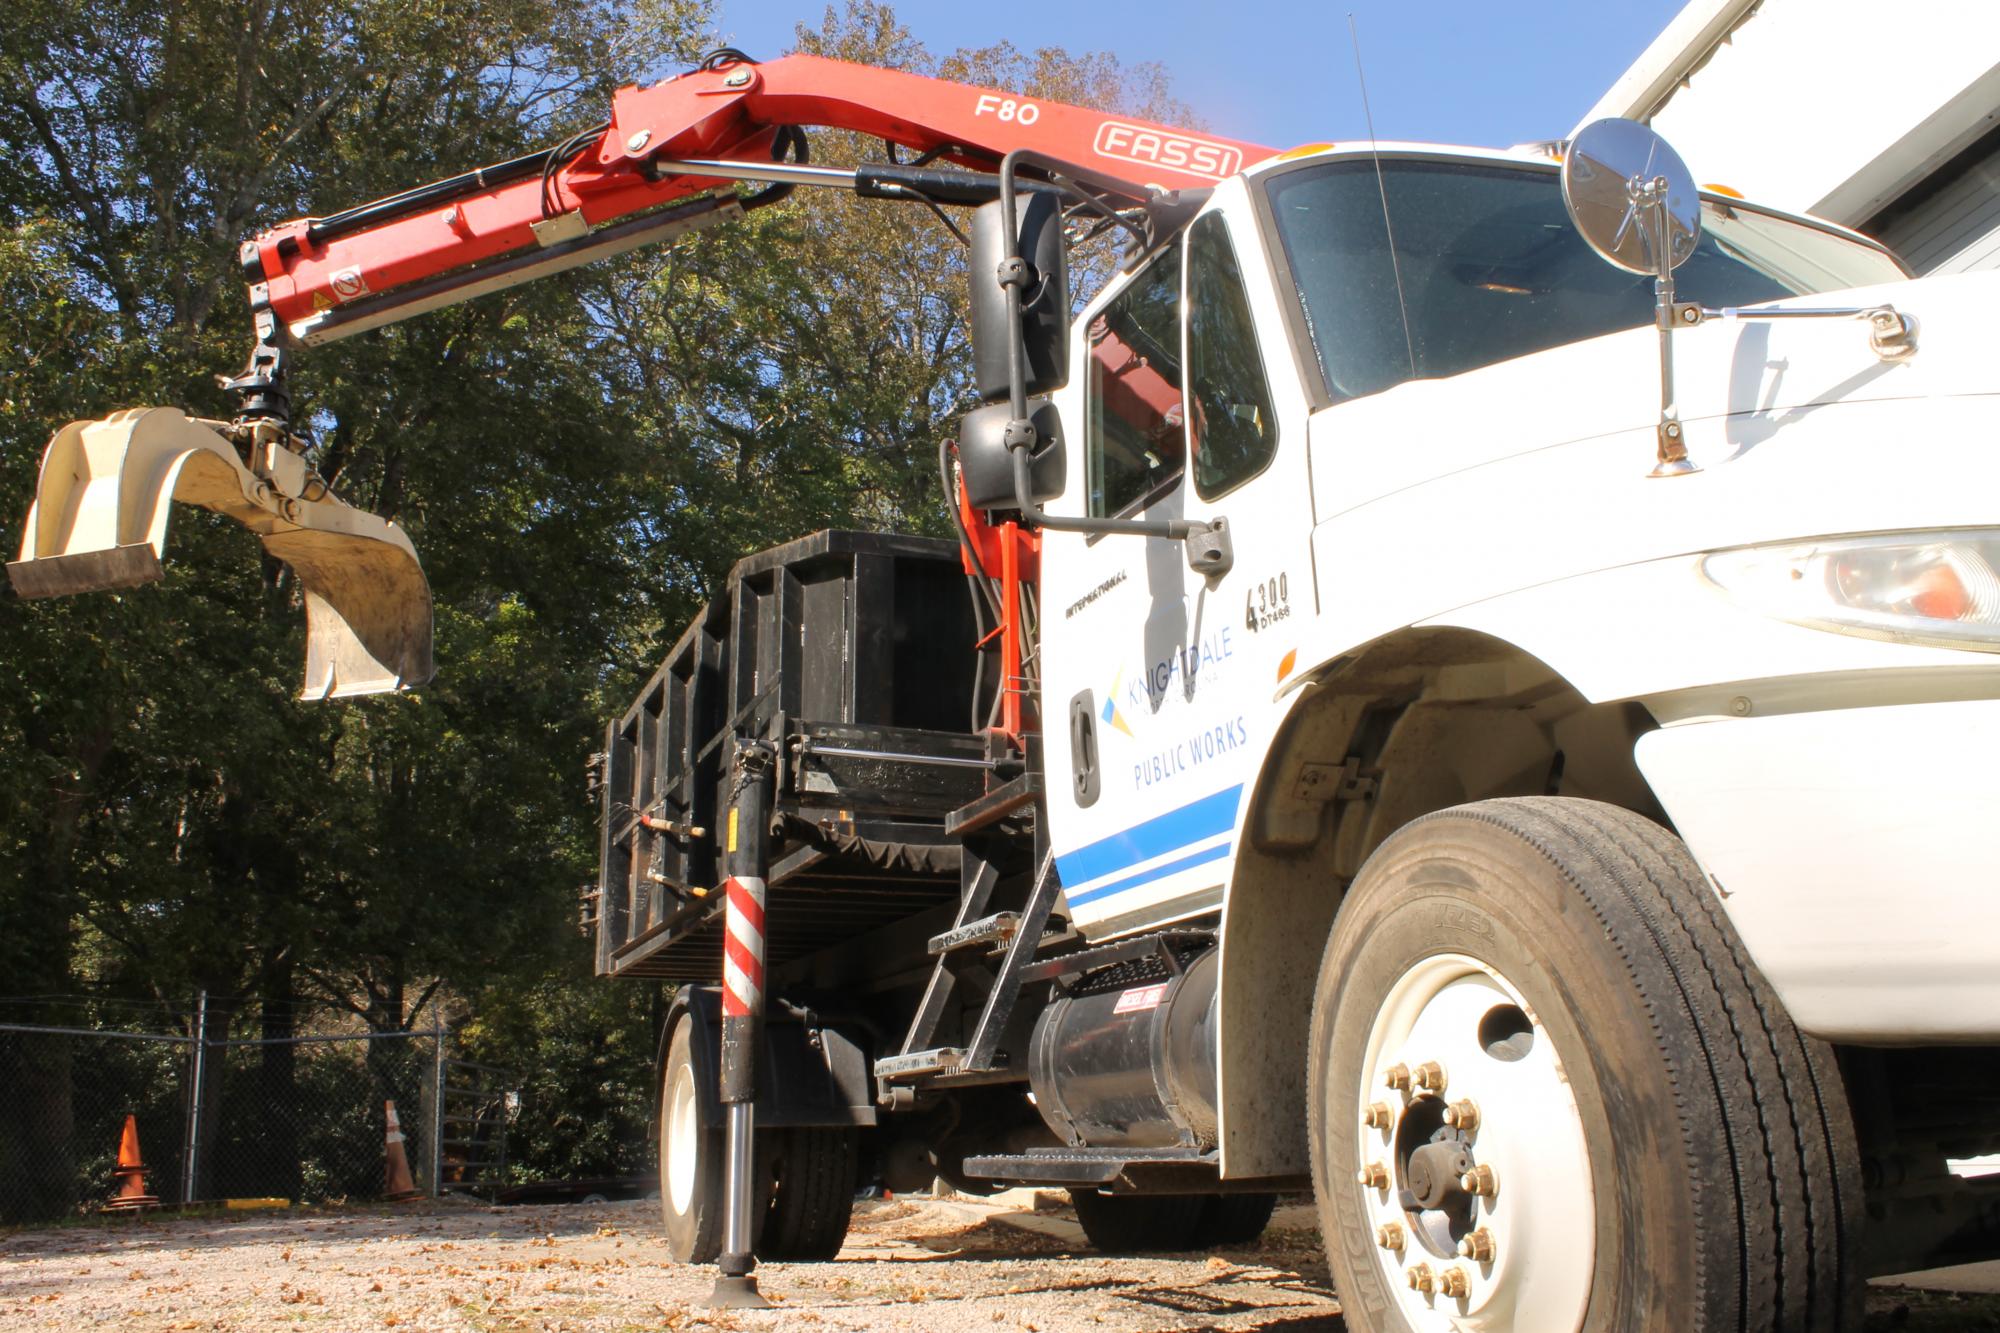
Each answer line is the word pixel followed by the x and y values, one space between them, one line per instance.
pixel 1157 688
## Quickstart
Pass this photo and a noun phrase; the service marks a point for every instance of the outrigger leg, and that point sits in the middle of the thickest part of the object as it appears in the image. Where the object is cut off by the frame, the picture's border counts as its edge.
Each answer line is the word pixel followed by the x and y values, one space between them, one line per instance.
pixel 747 854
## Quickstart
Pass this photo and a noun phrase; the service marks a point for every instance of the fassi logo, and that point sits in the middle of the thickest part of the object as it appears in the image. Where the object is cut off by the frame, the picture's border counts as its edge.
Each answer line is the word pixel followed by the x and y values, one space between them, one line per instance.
pixel 1197 157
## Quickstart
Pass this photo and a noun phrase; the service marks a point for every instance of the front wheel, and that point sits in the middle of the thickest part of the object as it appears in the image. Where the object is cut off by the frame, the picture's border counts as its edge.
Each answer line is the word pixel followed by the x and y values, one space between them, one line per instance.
pixel 1548 1091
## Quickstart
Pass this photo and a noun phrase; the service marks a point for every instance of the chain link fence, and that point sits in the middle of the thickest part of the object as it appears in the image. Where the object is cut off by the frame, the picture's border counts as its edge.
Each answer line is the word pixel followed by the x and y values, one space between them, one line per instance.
pixel 295 1118
pixel 68 1093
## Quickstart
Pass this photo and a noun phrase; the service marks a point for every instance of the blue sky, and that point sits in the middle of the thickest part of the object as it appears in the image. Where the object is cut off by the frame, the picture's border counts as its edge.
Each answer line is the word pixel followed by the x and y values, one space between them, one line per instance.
pixel 1455 71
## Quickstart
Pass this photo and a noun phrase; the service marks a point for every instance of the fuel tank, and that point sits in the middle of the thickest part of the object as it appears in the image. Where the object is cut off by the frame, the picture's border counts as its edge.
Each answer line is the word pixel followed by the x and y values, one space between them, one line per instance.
pixel 1131 1065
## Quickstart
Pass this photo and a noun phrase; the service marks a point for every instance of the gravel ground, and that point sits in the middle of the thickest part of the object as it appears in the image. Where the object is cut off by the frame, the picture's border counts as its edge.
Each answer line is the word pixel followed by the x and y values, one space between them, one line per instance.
pixel 942 1267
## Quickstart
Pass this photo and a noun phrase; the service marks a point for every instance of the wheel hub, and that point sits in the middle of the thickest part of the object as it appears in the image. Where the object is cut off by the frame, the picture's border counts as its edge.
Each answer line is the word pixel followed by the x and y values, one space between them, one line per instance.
pixel 1432 1175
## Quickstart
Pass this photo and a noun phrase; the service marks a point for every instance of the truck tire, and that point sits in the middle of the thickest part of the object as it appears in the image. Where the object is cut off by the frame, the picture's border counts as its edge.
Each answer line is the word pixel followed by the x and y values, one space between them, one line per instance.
pixel 691 1158
pixel 811 1178
pixel 1138 1223
pixel 1233 1219
pixel 1638 1136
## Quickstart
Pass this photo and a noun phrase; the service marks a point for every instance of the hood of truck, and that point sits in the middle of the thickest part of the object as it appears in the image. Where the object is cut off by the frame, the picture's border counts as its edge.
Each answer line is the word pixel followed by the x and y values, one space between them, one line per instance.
pixel 1742 385
pixel 1437 495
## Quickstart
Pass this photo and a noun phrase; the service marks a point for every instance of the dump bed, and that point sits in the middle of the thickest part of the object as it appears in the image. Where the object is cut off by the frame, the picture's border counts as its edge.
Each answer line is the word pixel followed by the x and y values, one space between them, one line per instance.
pixel 849 653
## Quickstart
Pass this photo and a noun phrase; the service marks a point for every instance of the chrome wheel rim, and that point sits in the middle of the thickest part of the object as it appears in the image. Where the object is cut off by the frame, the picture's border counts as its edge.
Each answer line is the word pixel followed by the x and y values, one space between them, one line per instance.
pixel 1474 1171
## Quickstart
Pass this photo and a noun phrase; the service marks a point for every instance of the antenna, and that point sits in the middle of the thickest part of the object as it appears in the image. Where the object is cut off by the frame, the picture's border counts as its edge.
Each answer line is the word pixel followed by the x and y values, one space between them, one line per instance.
pixel 1395 266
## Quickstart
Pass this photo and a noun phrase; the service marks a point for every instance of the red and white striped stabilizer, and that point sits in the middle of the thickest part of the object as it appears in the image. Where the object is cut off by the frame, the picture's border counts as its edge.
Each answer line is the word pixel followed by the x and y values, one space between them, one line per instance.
pixel 743 948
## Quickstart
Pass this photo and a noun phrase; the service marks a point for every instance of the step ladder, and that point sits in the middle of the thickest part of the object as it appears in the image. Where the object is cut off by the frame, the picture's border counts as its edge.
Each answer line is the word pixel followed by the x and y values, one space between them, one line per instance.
pixel 1016 935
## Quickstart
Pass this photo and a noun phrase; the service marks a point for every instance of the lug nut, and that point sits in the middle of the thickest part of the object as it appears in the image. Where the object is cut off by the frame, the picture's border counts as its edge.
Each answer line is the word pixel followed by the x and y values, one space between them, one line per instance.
pixel 1397 1077
pixel 1378 1115
pixel 1390 1236
pixel 1480 1180
pixel 1477 1247
pixel 1454 1283
pixel 1462 1115
pixel 1374 1176
pixel 1420 1279
pixel 1429 1076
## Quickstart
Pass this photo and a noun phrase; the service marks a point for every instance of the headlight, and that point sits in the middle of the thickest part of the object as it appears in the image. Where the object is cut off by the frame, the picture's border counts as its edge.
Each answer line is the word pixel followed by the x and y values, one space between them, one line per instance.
pixel 1938 588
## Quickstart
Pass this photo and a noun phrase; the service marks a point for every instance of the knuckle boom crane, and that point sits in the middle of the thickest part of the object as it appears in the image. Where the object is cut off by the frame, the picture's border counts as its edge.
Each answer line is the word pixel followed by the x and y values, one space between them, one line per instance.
pixel 659 167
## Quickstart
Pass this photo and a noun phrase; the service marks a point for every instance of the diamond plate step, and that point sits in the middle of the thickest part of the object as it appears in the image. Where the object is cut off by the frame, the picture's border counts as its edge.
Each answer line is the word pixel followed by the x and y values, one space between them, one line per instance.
pixel 941 1060
pixel 1086 1166
pixel 993 929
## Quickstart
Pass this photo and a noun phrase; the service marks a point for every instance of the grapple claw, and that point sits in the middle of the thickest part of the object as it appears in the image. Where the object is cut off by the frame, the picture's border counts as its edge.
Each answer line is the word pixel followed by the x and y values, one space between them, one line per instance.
pixel 99 521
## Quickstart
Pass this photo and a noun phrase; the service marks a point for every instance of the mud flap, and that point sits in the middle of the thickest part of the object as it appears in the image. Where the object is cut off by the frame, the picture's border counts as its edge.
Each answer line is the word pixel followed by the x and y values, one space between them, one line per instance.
pixel 817 1076
pixel 99 521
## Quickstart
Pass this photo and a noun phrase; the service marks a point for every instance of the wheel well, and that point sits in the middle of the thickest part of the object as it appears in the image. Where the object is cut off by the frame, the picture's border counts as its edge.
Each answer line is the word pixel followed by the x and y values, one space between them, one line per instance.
pixel 1415 722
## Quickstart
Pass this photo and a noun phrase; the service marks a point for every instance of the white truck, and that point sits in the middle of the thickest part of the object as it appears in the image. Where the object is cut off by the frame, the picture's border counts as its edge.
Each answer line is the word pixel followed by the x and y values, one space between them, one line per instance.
pixel 1475 697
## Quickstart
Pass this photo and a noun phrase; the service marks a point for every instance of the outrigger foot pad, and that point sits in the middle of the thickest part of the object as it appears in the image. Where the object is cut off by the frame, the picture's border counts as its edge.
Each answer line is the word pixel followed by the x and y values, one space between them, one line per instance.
pixel 736 1291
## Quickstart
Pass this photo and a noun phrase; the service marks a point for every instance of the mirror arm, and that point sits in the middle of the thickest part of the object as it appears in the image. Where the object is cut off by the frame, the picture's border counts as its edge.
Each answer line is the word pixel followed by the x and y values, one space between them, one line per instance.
pixel 1208 546
pixel 1177 528
pixel 1650 197
pixel 1210 553
pixel 1892 335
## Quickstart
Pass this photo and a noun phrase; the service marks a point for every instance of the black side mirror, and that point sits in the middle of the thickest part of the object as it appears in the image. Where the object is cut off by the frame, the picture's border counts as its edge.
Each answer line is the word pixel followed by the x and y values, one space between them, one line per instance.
pixel 987 464
pixel 1042 302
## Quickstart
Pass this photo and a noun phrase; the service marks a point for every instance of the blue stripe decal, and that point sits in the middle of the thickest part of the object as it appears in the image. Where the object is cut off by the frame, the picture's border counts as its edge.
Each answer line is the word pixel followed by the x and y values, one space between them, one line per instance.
pixel 1200 858
pixel 1195 822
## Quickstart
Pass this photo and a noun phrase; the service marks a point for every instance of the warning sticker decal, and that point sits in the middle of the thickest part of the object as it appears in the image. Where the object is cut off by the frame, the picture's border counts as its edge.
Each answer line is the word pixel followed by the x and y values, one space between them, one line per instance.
pixel 1141 997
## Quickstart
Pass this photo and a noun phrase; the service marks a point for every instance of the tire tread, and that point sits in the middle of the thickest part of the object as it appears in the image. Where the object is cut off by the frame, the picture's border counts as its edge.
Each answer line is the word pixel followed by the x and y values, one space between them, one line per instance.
pixel 1794 1169
pixel 1139 1223
pixel 1233 1219
pixel 814 1199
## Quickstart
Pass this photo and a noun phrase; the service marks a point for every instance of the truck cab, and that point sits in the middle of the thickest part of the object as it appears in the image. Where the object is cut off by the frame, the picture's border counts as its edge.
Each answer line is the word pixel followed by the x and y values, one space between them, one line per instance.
pixel 1426 410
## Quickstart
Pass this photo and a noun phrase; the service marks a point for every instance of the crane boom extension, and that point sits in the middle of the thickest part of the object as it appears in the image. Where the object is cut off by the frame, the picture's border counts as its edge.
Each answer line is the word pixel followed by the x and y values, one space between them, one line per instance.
pixel 667 141
pixel 651 172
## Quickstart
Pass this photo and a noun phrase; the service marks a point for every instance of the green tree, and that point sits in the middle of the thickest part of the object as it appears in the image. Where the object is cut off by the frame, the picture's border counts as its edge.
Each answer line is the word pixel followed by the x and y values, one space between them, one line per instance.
pixel 173 818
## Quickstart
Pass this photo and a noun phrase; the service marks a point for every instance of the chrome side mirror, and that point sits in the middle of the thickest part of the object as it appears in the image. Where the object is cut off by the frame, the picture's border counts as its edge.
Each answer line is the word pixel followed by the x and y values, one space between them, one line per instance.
pixel 1633 200
pixel 1631 197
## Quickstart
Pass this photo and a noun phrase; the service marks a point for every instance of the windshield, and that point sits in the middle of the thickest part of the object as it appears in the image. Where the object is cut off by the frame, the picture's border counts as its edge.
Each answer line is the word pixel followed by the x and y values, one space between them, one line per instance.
pixel 1490 267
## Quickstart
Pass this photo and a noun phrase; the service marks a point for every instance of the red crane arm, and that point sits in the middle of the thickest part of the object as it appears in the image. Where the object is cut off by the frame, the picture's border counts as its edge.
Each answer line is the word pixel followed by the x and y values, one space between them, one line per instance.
pixel 667 141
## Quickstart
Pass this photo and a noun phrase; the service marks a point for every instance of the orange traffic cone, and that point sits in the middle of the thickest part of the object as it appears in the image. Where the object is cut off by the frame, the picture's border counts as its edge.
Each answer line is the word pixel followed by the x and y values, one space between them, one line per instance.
pixel 399 1184
pixel 131 1174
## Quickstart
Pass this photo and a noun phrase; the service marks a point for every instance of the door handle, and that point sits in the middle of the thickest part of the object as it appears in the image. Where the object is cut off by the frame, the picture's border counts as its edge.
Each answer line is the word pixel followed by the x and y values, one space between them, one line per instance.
pixel 1083 747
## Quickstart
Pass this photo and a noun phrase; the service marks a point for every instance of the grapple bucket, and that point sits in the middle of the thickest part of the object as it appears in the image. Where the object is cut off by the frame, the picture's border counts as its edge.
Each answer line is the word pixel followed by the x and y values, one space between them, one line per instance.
pixel 99 521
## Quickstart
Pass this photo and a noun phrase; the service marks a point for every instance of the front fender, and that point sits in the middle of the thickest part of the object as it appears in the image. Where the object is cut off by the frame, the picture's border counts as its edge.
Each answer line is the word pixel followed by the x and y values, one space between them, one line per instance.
pixel 1659 633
